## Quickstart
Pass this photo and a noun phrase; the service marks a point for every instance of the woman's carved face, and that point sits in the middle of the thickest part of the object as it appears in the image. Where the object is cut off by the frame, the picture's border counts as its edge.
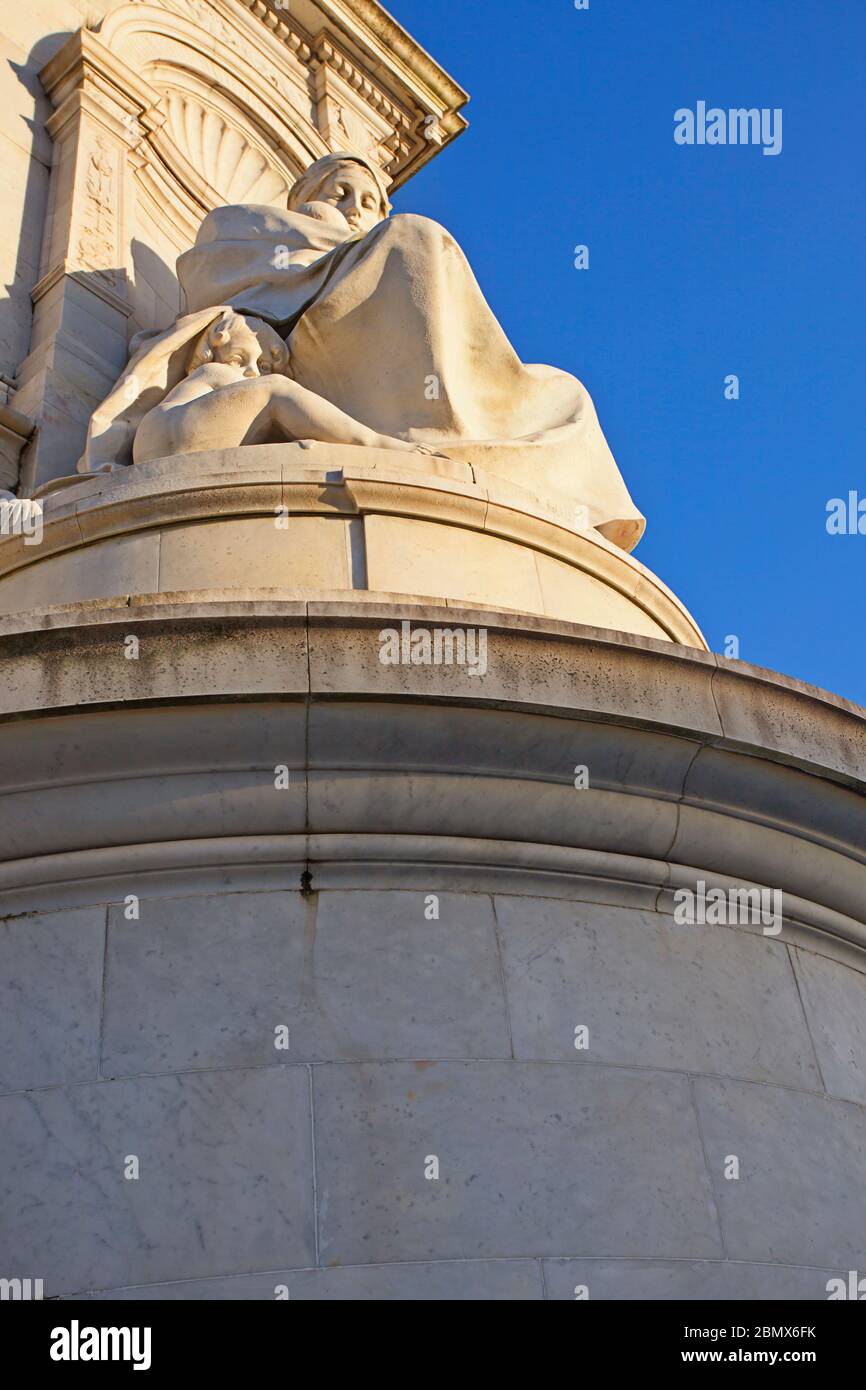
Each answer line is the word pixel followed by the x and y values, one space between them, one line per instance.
pixel 351 190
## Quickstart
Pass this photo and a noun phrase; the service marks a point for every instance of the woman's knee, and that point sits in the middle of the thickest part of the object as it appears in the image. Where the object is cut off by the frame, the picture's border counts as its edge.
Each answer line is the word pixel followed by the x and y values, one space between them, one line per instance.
pixel 412 227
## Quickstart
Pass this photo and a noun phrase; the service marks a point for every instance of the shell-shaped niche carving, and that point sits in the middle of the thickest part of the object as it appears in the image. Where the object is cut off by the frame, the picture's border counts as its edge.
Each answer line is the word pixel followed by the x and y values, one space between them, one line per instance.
pixel 238 170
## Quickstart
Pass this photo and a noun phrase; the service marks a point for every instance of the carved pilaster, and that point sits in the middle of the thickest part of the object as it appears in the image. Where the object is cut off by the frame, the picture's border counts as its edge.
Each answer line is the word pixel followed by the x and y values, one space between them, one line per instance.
pixel 81 302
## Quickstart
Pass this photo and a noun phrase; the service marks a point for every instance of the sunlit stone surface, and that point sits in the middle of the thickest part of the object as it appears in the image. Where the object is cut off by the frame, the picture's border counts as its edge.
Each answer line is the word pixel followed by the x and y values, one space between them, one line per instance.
pixel 357 780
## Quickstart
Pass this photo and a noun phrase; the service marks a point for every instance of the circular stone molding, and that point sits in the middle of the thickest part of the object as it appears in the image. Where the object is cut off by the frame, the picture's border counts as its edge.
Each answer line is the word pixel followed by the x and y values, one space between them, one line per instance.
pixel 700 768
pixel 331 517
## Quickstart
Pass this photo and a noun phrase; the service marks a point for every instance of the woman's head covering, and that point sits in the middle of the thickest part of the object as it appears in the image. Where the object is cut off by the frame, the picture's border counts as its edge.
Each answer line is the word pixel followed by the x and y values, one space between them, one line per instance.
pixel 305 189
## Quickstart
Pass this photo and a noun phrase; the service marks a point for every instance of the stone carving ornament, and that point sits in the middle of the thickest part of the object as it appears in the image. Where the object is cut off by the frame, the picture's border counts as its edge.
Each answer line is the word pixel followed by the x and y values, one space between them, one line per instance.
pixel 96 242
pixel 335 321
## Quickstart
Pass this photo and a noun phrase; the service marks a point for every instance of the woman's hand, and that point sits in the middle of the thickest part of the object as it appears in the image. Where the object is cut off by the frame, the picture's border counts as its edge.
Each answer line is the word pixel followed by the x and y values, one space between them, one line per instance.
pixel 326 212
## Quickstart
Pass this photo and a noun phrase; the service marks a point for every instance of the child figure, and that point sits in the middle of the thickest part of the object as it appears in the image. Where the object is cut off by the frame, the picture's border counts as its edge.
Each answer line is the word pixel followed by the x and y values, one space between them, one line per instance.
pixel 225 401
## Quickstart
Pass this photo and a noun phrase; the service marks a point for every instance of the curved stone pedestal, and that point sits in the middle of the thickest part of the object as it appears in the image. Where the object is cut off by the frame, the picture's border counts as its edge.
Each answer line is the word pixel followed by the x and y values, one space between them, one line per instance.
pixel 331 517
pixel 430 908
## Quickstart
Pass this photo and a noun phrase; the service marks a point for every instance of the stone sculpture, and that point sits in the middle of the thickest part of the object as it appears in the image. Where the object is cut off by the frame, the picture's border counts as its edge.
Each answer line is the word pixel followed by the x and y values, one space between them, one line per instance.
pixel 379 335
pixel 234 394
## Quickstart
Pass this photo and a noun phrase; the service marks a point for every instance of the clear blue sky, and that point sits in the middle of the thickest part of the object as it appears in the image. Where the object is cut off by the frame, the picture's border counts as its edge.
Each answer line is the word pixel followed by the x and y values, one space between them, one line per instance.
pixel 704 261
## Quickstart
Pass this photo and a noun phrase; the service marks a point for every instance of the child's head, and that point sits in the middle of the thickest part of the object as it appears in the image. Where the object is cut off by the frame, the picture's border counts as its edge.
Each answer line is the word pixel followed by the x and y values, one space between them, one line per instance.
pixel 247 343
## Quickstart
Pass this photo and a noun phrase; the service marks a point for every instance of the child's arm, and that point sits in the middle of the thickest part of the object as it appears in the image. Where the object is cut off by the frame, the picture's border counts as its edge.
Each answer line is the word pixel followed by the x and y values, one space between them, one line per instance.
pixel 209 377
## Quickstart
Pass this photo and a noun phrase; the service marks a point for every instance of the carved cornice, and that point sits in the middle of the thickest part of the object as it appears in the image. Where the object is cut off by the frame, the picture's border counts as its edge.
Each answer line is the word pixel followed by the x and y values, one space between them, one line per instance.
pixel 380 37
pixel 327 52
pixel 85 75
pixel 411 91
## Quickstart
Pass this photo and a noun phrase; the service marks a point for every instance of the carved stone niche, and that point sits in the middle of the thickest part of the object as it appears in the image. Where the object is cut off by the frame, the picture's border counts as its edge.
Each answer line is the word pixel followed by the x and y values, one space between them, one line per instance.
pixel 168 111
